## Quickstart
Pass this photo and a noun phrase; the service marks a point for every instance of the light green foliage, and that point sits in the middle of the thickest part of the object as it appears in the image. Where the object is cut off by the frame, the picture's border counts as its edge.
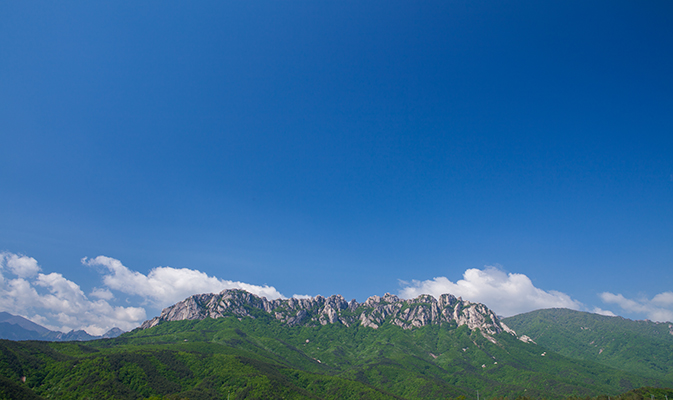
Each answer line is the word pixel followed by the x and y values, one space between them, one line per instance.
pixel 641 347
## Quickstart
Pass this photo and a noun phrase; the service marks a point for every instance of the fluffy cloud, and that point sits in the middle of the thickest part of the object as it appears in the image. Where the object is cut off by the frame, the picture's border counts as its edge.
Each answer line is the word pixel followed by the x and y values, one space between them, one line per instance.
pixel 102 294
pixel 22 266
pixel 663 299
pixel 659 308
pixel 505 293
pixel 56 302
pixel 164 286
pixel 60 304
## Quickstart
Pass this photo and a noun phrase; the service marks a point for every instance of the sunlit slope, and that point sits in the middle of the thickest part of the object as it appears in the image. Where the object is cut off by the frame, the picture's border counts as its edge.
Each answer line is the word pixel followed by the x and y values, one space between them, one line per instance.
pixel 641 347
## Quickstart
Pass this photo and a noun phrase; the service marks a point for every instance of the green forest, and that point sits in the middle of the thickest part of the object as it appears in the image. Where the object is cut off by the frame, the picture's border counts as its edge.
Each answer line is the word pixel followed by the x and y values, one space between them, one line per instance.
pixel 641 347
pixel 261 358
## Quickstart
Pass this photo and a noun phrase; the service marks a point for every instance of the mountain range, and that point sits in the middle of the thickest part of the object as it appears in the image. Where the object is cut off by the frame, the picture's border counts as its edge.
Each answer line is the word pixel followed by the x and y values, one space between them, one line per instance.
pixel 374 312
pixel 237 345
pixel 14 327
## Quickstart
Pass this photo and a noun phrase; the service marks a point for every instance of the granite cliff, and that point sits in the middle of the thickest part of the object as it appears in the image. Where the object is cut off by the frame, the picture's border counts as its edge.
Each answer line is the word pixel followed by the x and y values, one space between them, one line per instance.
pixel 319 310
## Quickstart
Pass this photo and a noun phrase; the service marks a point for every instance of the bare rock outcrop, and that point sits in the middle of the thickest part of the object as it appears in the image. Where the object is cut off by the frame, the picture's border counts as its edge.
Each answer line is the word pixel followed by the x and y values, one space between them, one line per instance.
pixel 373 313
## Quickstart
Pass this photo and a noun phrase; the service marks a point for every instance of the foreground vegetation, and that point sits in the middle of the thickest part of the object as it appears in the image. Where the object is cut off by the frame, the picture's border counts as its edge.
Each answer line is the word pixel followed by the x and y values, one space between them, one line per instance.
pixel 259 358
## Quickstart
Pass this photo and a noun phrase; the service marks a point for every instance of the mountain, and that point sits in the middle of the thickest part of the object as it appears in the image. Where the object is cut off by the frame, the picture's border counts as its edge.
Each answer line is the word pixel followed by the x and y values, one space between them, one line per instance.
pixel 376 311
pixel 14 327
pixel 16 332
pixel 321 348
pixel 79 335
pixel 8 318
pixel 642 347
pixel 112 333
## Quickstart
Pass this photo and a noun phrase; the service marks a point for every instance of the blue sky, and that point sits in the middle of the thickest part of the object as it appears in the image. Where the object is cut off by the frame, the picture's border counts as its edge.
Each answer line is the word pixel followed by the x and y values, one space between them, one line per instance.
pixel 351 147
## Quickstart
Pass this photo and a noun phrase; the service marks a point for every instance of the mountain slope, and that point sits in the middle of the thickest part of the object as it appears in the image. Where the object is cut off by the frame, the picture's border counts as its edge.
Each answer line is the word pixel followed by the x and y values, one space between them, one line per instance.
pixel 19 321
pixel 641 347
pixel 16 332
pixel 14 327
pixel 249 352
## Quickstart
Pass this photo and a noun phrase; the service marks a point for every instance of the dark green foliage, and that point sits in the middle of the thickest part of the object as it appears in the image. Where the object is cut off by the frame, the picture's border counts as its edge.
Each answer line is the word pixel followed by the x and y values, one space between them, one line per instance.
pixel 260 358
pixel 13 389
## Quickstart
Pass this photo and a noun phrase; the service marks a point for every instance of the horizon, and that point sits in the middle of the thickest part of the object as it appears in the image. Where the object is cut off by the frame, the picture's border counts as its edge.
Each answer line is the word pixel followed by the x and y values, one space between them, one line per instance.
pixel 133 315
pixel 513 154
pixel 500 317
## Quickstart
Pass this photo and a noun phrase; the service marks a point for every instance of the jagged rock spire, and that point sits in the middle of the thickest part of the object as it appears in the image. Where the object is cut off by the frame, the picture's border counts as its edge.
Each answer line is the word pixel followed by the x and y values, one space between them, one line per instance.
pixel 373 313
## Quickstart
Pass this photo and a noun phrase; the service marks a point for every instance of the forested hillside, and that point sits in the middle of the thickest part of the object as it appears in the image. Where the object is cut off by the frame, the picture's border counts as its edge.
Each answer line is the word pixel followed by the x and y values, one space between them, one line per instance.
pixel 641 347
pixel 244 358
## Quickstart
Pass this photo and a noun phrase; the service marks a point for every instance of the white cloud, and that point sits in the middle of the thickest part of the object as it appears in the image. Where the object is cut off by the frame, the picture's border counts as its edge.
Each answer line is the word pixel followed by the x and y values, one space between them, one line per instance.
pixel 60 304
pixel 600 311
pixel 22 266
pixel 104 294
pixel 659 308
pixel 302 296
pixel 57 303
pixel 164 286
pixel 18 294
pixel 505 293
pixel 663 299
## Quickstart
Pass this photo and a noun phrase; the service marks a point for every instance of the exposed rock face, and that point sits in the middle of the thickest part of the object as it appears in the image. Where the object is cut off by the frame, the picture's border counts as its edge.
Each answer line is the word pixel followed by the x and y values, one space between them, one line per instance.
pixel 526 339
pixel 374 312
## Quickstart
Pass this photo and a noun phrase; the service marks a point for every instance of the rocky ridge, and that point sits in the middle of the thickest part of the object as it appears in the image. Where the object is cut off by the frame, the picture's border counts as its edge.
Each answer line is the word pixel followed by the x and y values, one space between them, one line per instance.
pixel 319 310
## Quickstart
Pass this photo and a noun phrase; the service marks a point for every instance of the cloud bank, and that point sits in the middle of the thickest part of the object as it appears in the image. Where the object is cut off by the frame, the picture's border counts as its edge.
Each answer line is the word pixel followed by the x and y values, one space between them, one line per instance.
pixel 659 308
pixel 52 300
pixel 505 293
pixel 164 286
pixel 60 304
pixel 56 302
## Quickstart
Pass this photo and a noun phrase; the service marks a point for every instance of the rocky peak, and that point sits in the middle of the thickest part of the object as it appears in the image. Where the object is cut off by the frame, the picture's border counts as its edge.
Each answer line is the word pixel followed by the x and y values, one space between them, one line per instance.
pixel 319 310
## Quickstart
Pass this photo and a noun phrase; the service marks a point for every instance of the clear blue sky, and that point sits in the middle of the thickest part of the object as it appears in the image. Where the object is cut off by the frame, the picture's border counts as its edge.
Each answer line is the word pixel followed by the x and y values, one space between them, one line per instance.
pixel 326 147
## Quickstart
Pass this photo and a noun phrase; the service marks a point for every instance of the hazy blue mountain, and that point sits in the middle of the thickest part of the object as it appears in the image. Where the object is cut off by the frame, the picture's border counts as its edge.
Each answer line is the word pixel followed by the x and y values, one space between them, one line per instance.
pixel 112 333
pixel 17 332
pixel 14 327
pixel 23 323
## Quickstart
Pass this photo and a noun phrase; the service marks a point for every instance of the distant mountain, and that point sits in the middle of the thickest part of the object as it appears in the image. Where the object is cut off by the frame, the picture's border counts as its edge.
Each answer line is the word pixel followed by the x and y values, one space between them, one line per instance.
pixel 112 333
pixel 23 323
pixel 237 345
pixel 16 332
pixel 73 335
pixel 642 347
pixel 14 327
